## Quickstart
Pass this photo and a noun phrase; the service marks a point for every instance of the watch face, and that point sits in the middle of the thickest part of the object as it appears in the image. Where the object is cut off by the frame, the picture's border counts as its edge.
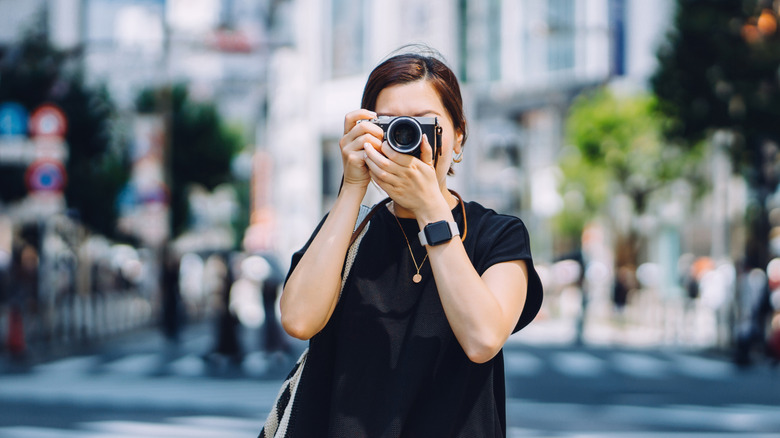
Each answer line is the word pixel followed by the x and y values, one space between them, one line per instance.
pixel 437 232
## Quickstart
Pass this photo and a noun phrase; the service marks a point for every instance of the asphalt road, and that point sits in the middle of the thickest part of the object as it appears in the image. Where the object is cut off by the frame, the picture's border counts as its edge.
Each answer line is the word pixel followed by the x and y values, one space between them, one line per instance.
pixel 137 387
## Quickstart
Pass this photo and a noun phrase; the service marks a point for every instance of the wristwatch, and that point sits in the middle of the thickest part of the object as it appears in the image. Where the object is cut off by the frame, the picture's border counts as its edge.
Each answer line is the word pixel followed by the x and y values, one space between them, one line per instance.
pixel 437 233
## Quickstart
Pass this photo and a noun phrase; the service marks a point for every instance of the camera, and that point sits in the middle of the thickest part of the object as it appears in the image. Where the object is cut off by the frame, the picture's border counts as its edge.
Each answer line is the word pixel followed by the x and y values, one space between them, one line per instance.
pixel 404 134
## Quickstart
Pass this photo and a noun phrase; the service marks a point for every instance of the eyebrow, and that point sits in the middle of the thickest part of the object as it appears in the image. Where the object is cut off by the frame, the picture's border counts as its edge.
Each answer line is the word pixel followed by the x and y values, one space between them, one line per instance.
pixel 419 114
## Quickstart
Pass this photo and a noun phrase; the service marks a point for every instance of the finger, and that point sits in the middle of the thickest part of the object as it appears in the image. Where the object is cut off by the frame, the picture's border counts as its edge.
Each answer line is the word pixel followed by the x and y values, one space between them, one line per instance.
pixel 349 144
pixel 378 169
pixel 353 116
pixel 396 157
pixel 426 151
pixel 362 132
pixel 377 155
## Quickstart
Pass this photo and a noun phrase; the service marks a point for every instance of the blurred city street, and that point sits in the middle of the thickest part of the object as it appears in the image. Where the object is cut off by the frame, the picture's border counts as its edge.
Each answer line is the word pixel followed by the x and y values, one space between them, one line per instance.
pixel 162 160
pixel 135 386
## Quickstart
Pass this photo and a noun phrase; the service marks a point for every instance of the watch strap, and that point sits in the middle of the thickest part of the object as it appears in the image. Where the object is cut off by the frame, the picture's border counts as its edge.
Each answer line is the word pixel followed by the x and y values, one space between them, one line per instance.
pixel 454 231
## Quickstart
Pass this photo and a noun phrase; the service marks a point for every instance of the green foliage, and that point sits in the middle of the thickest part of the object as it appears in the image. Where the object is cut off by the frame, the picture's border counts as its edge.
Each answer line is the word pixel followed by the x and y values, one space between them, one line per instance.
pixel 714 75
pixel 615 147
pixel 720 70
pixel 32 73
pixel 612 133
pixel 202 146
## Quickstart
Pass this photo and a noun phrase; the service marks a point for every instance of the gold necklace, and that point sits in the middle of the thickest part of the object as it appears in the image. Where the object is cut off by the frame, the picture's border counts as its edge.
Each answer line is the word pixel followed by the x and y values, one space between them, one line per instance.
pixel 417 277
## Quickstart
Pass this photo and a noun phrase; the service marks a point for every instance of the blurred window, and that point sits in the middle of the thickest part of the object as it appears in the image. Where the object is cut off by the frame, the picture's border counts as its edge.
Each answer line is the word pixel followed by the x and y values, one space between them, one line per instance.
pixel 560 46
pixel 347 37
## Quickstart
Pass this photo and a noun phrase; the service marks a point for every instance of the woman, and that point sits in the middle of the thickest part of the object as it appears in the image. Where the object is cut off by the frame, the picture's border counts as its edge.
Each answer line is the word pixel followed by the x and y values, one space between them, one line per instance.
pixel 412 345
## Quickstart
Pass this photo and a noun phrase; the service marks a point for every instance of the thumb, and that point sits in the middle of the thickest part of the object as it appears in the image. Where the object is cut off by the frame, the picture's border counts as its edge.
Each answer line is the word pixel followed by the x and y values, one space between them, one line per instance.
pixel 426 151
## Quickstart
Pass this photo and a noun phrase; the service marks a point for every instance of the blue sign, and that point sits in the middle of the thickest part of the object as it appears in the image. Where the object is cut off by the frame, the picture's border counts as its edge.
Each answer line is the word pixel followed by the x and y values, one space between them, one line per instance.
pixel 13 119
pixel 46 176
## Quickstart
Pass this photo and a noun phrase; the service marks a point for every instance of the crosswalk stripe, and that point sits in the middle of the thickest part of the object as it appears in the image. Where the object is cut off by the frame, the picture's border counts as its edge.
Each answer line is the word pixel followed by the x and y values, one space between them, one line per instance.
pixel 577 364
pixel 223 423
pixel 640 365
pixel 524 433
pixel 147 429
pixel 68 366
pixel 175 427
pixel 522 363
pixel 672 417
pixel 702 367
pixel 41 432
pixel 188 366
pixel 135 364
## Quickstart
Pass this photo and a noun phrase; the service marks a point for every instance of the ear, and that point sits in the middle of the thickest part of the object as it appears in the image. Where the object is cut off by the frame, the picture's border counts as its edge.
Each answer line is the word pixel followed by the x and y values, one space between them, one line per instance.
pixel 458 146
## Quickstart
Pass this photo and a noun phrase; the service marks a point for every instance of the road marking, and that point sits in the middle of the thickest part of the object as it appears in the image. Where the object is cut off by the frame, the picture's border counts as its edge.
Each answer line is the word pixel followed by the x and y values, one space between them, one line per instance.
pixel 146 429
pixel 640 365
pixel 731 421
pixel 189 366
pixel 522 363
pixel 41 432
pixel 135 364
pixel 222 423
pixel 176 427
pixel 703 368
pixel 577 364
pixel 525 433
pixel 71 365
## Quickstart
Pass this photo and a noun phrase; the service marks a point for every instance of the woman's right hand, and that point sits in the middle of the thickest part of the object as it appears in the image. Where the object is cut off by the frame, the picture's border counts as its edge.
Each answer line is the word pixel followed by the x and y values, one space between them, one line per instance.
pixel 351 144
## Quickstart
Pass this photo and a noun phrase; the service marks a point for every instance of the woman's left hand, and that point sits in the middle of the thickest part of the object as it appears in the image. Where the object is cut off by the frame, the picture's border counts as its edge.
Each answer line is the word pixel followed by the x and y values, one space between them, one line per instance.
pixel 409 181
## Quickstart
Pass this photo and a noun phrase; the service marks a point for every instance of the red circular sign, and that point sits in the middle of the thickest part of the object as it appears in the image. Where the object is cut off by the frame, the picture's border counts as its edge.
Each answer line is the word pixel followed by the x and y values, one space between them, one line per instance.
pixel 46 175
pixel 48 121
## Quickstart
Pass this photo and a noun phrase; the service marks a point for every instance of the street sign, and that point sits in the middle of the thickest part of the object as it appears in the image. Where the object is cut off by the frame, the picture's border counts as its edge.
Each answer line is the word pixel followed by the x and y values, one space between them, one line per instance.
pixel 13 119
pixel 21 151
pixel 48 121
pixel 46 175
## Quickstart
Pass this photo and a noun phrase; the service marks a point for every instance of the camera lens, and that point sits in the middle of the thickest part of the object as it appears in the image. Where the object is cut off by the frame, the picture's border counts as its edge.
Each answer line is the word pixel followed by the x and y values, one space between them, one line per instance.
pixel 404 134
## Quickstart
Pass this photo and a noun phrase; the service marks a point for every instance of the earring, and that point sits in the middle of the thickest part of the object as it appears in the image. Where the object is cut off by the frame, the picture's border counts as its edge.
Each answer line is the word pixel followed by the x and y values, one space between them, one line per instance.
pixel 458 157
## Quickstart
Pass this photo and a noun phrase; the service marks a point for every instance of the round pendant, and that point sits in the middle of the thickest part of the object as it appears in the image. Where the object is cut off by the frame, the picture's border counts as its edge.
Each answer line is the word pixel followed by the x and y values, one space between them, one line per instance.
pixel 417 278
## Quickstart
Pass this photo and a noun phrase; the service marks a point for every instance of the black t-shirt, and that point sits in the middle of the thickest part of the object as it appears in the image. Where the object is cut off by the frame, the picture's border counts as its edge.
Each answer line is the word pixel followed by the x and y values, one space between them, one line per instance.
pixel 387 363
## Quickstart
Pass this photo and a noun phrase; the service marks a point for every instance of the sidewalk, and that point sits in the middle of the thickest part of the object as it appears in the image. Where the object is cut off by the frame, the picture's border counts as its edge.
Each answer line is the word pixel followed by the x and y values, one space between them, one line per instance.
pixel 602 331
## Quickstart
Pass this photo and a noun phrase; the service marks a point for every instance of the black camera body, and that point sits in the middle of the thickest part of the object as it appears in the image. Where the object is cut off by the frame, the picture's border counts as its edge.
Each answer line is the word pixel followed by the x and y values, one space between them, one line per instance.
pixel 404 134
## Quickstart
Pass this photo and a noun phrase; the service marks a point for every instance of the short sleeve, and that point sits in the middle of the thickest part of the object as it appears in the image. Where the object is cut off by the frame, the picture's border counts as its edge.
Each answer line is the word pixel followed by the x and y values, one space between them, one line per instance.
pixel 504 238
pixel 296 257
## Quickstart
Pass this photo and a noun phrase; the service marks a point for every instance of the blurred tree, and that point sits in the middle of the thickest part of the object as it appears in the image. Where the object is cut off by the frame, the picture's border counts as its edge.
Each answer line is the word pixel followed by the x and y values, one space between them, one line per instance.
pixel 201 146
pixel 616 153
pixel 718 71
pixel 32 72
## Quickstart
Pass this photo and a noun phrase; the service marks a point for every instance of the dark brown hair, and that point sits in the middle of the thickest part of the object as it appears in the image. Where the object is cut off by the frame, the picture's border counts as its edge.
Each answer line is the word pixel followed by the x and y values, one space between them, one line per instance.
pixel 412 67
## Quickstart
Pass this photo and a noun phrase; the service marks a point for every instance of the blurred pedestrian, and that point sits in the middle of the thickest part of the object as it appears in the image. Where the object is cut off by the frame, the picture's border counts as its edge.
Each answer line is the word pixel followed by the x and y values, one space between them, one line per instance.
pixel 412 346
pixel 625 282
pixel 272 337
pixel 23 294
pixel 752 310
pixel 227 346
pixel 172 306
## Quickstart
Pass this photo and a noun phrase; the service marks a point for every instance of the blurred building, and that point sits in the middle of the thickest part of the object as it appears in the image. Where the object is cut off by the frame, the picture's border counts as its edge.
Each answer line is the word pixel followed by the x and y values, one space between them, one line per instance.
pixel 288 70
pixel 217 46
pixel 520 62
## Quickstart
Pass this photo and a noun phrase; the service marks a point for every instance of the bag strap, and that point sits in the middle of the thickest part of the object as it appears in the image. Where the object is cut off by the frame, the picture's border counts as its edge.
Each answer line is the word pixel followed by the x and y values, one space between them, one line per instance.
pixel 361 227
pixel 280 416
pixel 364 216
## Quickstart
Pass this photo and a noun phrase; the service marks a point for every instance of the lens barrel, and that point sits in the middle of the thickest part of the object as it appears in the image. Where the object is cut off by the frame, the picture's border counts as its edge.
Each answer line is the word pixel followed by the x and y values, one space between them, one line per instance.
pixel 404 134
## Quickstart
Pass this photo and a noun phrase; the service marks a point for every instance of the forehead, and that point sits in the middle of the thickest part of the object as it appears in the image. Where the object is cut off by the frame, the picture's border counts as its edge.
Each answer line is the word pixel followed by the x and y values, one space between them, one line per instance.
pixel 411 99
